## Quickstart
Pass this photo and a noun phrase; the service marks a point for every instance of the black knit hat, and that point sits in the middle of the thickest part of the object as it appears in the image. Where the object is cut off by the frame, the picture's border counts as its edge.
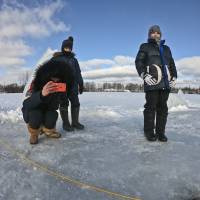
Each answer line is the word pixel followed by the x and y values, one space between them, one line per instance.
pixel 154 28
pixel 67 43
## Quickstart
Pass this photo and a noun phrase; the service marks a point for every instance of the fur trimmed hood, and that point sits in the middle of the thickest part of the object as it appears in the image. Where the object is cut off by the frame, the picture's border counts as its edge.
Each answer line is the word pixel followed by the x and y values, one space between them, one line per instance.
pixel 56 68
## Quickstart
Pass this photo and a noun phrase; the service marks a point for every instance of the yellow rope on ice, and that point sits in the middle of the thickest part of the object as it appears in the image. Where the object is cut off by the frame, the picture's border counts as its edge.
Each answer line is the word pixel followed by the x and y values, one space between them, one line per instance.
pixel 64 178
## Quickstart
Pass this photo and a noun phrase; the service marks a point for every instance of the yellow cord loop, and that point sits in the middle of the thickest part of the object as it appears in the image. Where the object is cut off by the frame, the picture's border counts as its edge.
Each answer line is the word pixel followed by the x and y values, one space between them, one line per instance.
pixel 64 178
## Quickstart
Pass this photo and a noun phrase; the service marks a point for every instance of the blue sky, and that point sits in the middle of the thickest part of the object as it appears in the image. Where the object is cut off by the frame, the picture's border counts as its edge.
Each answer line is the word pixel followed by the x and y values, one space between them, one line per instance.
pixel 102 30
pixel 108 28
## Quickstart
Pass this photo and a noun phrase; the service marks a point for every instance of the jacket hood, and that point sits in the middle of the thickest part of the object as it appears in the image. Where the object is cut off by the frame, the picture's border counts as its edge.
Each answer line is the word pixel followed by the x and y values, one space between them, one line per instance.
pixel 52 68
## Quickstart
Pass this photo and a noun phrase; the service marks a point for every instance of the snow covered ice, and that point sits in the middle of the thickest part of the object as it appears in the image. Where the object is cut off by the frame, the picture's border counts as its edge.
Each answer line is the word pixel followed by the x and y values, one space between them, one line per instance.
pixel 111 152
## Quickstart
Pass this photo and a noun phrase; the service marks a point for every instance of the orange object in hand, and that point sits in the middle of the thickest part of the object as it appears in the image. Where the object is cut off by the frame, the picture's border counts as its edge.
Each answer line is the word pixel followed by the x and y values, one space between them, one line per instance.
pixel 61 87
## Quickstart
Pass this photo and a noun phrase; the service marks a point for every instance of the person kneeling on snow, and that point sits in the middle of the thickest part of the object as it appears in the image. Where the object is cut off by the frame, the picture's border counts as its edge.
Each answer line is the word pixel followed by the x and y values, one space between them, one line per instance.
pixel 48 91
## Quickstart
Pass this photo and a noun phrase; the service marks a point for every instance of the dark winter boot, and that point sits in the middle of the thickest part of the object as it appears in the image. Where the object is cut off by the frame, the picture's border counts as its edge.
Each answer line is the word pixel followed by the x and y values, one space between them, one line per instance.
pixel 65 119
pixel 149 119
pixel 75 118
pixel 161 120
pixel 33 135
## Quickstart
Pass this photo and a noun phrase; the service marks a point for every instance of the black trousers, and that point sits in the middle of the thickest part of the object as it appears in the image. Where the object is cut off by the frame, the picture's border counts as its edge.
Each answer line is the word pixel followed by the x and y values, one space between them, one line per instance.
pixel 155 108
pixel 47 118
pixel 73 98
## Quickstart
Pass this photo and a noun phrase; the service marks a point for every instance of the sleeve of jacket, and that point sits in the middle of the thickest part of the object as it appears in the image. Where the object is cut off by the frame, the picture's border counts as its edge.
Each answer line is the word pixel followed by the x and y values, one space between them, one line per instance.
pixel 78 73
pixel 172 66
pixel 141 59
pixel 33 101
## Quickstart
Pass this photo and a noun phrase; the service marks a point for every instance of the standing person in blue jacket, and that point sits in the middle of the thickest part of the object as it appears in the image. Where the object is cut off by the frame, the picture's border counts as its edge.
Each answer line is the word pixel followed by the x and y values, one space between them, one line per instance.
pixel 77 88
pixel 155 65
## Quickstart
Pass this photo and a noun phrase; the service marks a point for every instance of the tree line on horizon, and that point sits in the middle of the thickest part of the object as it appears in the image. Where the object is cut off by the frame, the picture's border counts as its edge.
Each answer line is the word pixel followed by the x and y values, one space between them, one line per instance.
pixel 103 87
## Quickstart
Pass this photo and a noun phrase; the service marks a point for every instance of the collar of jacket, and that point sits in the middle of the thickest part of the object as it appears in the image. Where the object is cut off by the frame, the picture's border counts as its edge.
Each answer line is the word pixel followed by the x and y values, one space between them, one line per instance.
pixel 69 54
pixel 162 42
pixel 58 53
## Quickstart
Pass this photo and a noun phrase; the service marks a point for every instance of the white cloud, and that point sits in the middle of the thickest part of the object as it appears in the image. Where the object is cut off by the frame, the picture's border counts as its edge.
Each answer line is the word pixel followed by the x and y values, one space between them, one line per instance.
pixel 12 53
pixel 116 71
pixel 16 75
pixel 95 63
pixel 189 67
pixel 12 62
pixel 19 22
pixel 122 69
pixel 124 60
pixel 104 63
pixel 119 67
pixel 9 48
pixel 46 56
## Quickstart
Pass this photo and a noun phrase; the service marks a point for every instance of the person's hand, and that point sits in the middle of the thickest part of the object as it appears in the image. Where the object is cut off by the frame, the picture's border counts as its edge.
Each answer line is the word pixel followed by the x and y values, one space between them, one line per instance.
pixel 80 89
pixel 172 83
pixel 142 75
pixel 49 88
pixel 149 79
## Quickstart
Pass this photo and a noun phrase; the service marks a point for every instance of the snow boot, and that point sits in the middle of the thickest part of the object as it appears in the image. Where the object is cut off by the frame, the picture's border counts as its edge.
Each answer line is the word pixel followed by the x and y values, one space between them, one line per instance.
pixel 161 120
pixel 75 118
pixel 64 115
pixel 41 130
pixel 149 119
pixel 51 133
pixel 162 137
pixel 33 135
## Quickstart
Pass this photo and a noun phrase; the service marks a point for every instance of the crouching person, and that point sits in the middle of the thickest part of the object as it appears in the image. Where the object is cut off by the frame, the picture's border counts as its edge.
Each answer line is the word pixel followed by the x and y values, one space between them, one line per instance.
pixel 47 93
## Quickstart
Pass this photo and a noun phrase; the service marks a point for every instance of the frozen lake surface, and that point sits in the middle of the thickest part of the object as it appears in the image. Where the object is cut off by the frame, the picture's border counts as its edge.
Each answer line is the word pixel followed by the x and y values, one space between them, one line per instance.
pixel 111 152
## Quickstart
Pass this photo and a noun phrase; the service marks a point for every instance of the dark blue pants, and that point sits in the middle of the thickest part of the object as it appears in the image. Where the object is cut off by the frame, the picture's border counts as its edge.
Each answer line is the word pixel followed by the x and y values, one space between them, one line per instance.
pixel 155 107
pixel 74 100
pixel 48 118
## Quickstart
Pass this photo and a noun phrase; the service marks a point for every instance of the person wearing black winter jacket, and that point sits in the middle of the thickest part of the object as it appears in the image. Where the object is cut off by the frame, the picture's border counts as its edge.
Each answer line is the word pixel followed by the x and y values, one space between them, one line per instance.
pixel 43 98
pixel 155 65
pixel 77 88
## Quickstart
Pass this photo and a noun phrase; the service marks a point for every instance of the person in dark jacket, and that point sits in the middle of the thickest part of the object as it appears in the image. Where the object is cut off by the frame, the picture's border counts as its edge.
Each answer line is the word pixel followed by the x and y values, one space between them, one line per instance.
pixel 155 65
pixel 43 99
pixel 77 88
